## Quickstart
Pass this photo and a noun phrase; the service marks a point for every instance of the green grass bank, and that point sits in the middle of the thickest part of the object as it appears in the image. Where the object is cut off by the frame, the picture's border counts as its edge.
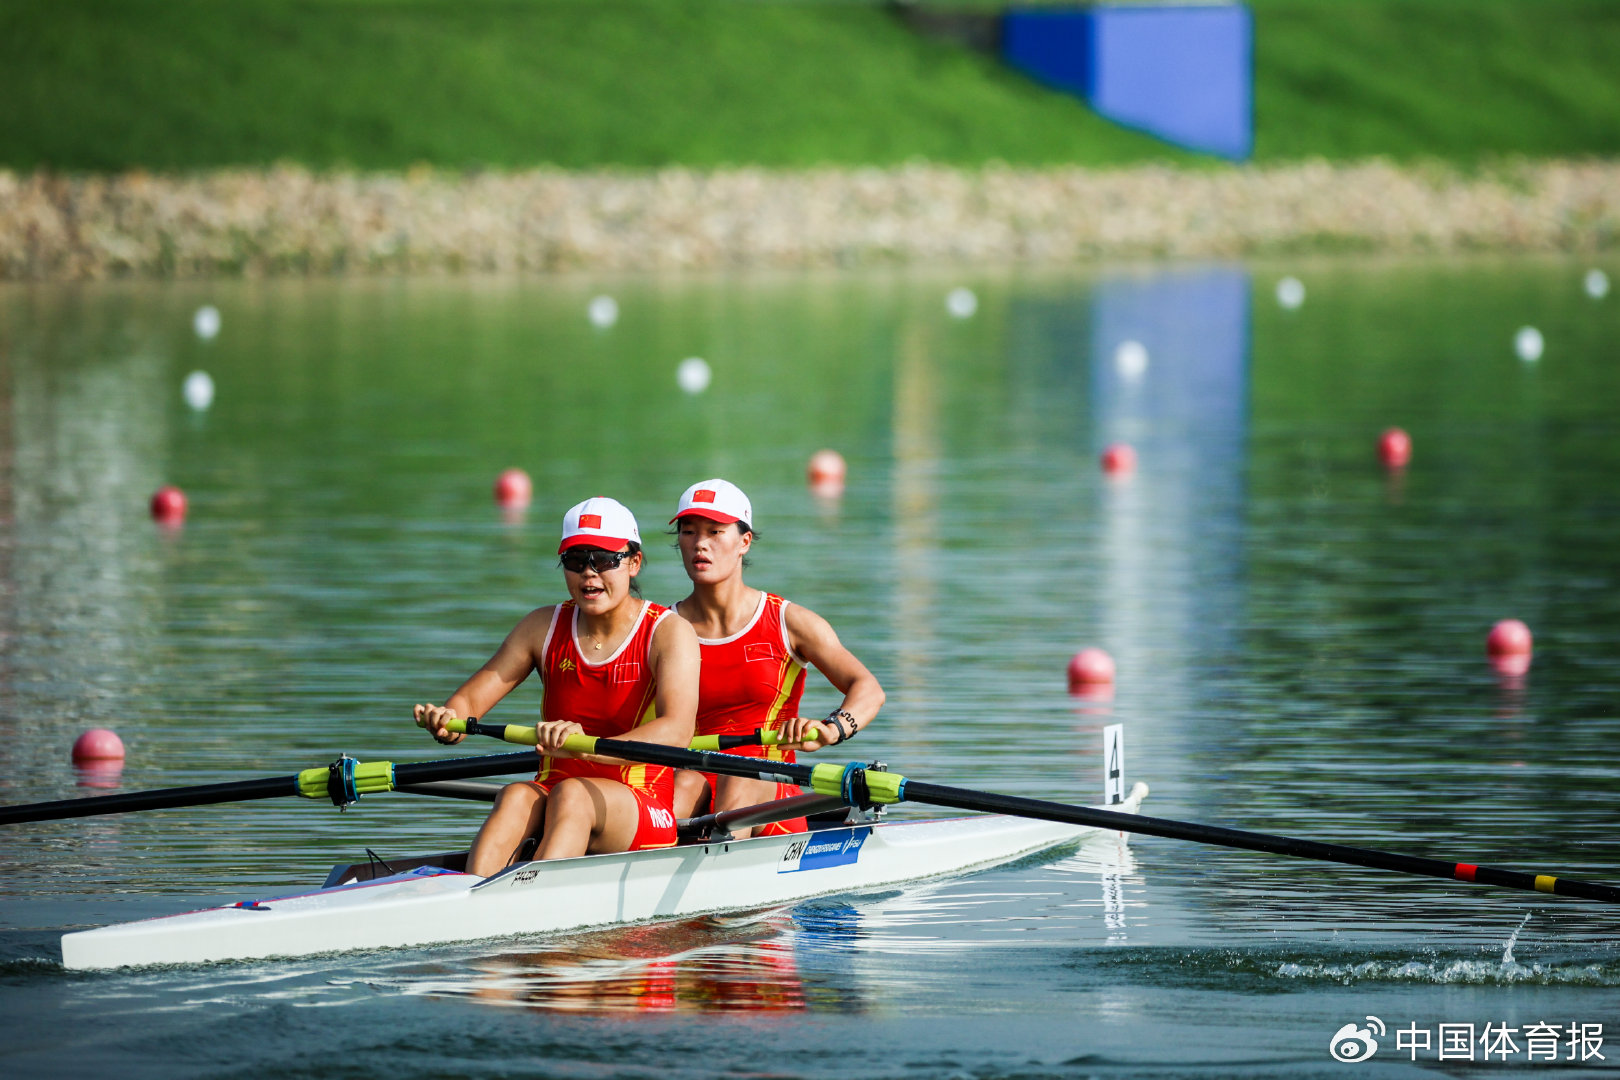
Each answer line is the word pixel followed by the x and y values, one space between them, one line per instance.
pixel 166 85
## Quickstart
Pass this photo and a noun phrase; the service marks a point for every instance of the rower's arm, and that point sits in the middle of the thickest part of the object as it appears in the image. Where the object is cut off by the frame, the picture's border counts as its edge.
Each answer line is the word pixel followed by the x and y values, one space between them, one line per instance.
pixel 813 638
pixel 499 676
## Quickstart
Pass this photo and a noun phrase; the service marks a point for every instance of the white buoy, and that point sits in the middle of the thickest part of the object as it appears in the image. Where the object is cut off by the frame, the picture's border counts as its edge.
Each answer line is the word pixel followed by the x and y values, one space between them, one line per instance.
pixel 1597 284
pixel 1528 344
pixel 198 390
pixel 206 322
pixel 693 375
pixel 603 312
pixel 1131 360
pixel 1290 292
pixel 961 302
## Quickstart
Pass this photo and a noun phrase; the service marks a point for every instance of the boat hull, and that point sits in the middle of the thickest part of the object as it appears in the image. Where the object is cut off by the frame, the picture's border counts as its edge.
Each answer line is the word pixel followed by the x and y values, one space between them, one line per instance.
pixel 432 906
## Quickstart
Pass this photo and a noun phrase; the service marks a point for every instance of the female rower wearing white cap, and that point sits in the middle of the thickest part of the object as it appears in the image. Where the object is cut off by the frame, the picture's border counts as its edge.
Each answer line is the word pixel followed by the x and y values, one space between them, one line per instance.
pixel 612 664
pixel 755 647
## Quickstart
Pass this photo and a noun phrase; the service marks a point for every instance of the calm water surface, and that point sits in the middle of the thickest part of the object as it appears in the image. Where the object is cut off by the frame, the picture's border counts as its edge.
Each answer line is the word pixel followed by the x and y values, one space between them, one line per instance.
pixel 1299 637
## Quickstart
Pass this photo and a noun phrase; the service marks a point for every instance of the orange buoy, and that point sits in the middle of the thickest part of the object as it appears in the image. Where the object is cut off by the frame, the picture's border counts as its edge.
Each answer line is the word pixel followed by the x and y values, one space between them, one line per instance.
pixel 1090 667
pixel 98 744
pixel 1395 448
pixel 513 488
pixel 826 472
pixel 1118 459
pixel 1510 637
pixel 169 505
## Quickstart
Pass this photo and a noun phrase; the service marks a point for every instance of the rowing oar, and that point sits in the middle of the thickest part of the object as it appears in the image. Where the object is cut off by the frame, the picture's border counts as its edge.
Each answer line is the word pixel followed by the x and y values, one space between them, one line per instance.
pixel 342 782
pixel 525 736
pixel 860 785
pixel 346 779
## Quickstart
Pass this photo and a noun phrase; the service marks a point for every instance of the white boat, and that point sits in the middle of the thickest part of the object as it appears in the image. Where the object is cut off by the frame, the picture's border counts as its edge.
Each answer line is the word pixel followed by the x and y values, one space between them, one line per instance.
pixel 379 905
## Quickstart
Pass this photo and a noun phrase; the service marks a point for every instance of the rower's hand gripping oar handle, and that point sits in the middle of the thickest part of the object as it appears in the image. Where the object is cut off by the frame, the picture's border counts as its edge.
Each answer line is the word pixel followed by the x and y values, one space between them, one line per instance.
pixel 525 736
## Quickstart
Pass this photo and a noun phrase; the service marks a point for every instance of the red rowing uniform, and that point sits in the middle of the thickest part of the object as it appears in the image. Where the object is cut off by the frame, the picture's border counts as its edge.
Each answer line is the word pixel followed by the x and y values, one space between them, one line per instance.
pixel 747 681
pixel 609 698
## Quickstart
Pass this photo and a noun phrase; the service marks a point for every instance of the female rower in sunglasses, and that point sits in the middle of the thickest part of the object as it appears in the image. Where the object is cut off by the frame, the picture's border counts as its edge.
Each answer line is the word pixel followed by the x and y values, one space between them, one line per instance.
pixel 755 648
pixel 611 663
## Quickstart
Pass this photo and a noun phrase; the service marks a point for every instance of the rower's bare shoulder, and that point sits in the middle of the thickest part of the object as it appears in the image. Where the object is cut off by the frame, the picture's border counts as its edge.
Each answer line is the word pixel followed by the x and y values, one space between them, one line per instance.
pixel 673 631
pixel 805 625
pixel 531 630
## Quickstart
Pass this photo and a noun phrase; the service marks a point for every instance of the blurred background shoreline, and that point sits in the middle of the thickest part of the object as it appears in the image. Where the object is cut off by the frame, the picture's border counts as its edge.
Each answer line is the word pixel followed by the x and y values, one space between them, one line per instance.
pixel 290 220
pixel 191 138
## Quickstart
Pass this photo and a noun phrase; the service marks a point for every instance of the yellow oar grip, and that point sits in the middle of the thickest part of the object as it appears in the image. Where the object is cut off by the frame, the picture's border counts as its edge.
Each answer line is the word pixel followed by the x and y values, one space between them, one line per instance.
pixel 767 737
pixel 522 736
pixel 580 744
pixel 512 733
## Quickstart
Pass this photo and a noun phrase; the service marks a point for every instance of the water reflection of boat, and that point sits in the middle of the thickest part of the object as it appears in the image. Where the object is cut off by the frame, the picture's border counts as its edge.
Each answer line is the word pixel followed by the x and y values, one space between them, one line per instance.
pixel 707 964
pixel 429 900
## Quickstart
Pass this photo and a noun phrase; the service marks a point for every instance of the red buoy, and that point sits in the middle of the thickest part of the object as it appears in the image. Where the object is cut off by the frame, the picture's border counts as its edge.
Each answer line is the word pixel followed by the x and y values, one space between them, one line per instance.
pixel 1395 448
pixel 513 488
pixel 1510 637
pixel 1118 459
pixel 98 744
pixel 1090 667
pixel 169 505
pixel 826 472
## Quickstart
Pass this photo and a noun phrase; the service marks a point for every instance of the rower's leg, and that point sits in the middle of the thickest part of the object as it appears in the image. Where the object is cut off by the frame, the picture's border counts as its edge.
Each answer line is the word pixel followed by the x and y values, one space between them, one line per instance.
pixel 589 814
pixel 691 793
pixel 519 809
pixel 734 792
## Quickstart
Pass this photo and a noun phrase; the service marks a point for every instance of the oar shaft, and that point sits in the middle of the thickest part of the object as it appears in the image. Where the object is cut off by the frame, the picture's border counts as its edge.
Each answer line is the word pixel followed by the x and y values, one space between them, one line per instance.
pixel 700 760
pixel 890 787
pixel 161 799
pixel 311 784
pixel 964 799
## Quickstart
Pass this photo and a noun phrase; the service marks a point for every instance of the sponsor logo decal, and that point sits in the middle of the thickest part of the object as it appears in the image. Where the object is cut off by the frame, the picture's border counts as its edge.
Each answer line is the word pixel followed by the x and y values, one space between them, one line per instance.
pixel 661 817
pixel 566 665
pixel 835 847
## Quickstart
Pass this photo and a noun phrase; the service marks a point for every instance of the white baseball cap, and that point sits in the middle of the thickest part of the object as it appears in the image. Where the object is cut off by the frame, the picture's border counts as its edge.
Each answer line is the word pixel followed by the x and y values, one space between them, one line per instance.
pixel 717 500
pixel 599 522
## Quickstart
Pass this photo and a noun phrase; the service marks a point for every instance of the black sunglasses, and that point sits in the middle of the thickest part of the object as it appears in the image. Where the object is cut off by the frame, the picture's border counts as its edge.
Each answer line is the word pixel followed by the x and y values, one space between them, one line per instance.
pixel 575 560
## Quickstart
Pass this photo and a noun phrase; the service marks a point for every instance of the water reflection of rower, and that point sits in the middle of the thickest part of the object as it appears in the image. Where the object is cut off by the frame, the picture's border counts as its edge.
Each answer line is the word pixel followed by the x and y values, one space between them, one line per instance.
pixel 755 648
pixel 697 965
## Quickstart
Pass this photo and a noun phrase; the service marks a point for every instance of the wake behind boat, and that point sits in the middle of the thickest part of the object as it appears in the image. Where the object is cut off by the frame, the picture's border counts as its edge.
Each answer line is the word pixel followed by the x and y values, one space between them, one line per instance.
pixel 376 905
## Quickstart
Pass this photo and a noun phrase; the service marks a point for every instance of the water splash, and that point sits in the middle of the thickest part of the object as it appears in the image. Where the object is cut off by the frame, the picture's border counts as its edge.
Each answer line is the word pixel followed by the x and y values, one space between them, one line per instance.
pixel 1507 953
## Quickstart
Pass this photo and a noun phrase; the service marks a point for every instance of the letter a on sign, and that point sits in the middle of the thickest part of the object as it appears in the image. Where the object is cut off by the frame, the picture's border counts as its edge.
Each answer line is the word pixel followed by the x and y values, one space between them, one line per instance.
pixel 1114 764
